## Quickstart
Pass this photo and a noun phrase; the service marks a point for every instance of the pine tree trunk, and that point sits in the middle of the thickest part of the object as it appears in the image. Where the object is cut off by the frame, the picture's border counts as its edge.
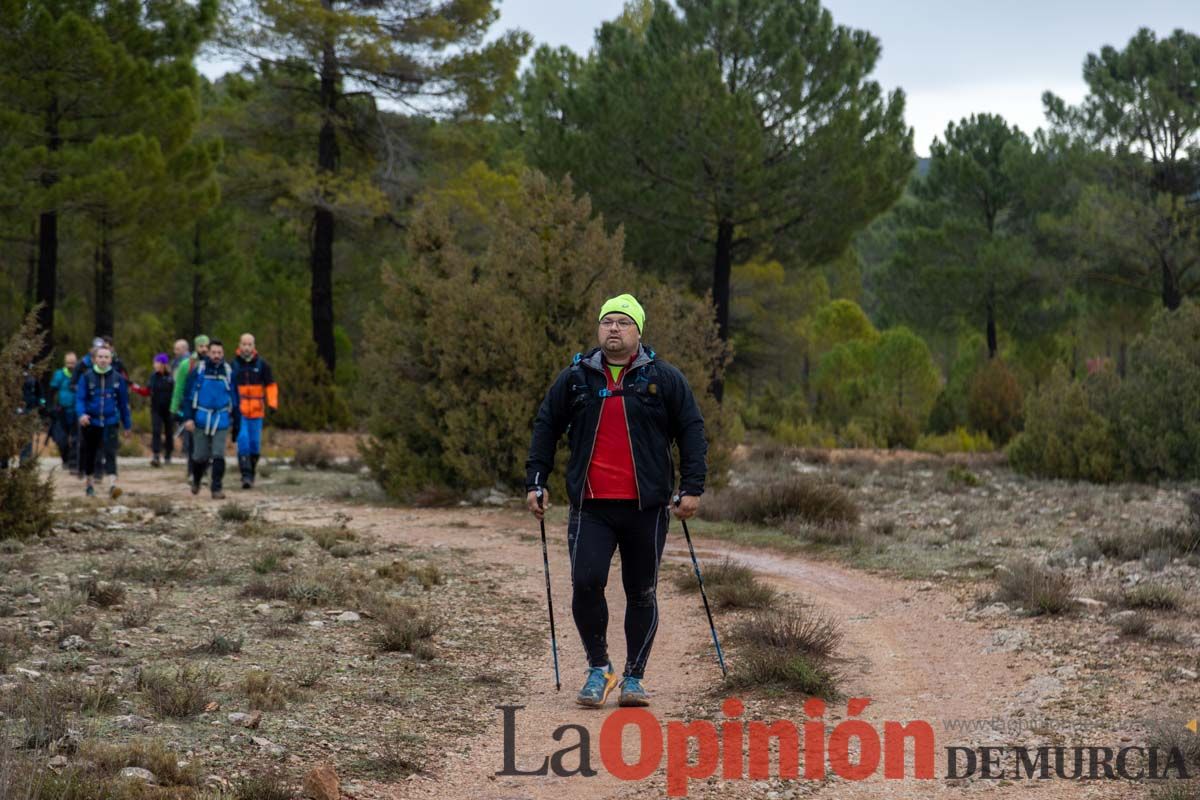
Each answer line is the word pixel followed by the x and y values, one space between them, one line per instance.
pixel 31 270
pixel 321 256
pixel 47 271
pixel 991 331
pixel 105 300
pixel 722 270
pixel 197 282
pixel 1172 298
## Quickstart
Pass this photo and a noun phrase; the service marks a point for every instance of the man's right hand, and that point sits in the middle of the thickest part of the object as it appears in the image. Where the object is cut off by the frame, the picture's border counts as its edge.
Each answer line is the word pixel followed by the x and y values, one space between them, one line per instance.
pixel 84 421
pixel 531 500
pixel 189 426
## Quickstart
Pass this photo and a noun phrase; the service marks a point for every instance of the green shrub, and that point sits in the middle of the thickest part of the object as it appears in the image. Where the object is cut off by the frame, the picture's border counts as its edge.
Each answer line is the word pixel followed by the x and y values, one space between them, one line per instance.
pixel 858 434
pixel 1040 590
pixel 179 693
pixel 1063 436
pixel 1154 418
pixel 959 440
pixel 234 512
pixel 1153 596
pixel 804 434
pixel 791 650
pixel 528 266
pixel 994 402
pixel 25 498
pixel 843 381
pixel 25 502
pixel 309 399
pixel 774 406
pixel 906 384
pixel 797 497
pixel 140 417
pixel 900 429
pixel 403 628
pixel 729 584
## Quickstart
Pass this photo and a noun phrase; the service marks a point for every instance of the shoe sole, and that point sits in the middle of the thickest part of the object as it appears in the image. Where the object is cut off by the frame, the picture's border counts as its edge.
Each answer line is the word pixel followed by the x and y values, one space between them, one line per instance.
pixel 588 703
pixel 633 702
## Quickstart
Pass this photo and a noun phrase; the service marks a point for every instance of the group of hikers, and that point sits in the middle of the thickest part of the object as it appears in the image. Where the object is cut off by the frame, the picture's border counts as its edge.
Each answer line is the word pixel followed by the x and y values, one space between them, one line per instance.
pixel 620 405
pixel 197 390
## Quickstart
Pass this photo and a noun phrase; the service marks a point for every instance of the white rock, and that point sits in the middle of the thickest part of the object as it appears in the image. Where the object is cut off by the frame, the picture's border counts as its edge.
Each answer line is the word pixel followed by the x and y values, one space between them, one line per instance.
pixel 262 608
pixel 73 642
pixel 28 673
pixel 132 722
pixel 1190 674
pixel 993 610
pixel 139 774
pixel 1091 604
pixel 348 616
pixel 316 623
pixel 57 762
pixel 268 745
pixel 1007 640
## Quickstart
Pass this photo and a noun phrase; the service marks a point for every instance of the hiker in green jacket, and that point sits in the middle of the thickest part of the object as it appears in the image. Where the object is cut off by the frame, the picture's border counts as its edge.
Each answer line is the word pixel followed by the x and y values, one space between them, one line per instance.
pixel 185 366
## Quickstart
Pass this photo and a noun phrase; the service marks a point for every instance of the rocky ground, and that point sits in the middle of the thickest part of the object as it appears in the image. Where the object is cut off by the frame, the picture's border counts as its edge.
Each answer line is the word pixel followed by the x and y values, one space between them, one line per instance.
pixel 310 623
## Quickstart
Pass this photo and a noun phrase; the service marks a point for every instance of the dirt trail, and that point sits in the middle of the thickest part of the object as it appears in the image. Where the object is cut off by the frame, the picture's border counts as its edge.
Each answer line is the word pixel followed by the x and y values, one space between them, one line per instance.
pixel 909 650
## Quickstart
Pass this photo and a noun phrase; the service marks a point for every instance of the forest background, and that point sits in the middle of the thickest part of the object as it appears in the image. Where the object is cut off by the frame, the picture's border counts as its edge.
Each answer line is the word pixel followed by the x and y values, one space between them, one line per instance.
pixel 418 218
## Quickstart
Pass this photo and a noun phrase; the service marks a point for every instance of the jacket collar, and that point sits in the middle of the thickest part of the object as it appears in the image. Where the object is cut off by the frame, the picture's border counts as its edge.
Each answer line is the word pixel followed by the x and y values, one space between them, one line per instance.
pixel 595 358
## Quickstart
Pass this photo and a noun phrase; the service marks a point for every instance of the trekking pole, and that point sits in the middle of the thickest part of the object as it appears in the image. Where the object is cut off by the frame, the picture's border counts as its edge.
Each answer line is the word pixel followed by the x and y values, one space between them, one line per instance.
pixel 703 594
pixel 549 601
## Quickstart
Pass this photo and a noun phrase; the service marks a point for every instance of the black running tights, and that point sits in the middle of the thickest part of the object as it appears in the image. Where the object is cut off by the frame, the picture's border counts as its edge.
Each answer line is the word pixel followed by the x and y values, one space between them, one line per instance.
pixel 594 533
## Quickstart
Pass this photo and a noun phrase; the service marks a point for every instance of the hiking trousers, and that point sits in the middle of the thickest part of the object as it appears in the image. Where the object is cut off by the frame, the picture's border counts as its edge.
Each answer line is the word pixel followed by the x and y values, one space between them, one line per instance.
pixel 162 432
pixel 595 531
pixel 98 441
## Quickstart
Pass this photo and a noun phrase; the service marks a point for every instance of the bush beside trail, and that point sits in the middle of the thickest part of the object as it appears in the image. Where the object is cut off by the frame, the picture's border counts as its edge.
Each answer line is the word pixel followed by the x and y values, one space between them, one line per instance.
pixel 25 496
pixel 472 334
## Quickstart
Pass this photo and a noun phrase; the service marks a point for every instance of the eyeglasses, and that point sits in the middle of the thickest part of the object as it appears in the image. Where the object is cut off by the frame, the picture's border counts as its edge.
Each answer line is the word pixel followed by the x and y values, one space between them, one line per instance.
pixel 623 324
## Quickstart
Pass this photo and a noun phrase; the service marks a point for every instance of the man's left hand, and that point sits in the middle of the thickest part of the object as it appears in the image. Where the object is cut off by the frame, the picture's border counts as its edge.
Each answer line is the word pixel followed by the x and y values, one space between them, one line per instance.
pixel 688 506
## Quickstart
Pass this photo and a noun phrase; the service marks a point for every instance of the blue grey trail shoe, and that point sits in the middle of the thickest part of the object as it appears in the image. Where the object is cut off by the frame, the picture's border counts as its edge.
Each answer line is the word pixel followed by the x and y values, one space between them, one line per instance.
pixel 600 682
pixel 632 693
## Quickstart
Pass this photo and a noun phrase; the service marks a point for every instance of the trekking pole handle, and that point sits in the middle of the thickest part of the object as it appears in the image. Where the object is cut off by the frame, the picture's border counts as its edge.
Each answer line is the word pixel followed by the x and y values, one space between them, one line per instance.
pixel 540 493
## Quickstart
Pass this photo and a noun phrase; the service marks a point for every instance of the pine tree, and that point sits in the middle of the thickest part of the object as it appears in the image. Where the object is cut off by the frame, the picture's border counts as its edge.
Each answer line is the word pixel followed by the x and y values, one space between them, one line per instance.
pixel 338 59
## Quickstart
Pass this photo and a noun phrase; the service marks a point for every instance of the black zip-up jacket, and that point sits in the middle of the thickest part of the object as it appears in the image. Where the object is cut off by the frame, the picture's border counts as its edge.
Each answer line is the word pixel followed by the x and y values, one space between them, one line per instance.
pixel 162 386
pixel 659 409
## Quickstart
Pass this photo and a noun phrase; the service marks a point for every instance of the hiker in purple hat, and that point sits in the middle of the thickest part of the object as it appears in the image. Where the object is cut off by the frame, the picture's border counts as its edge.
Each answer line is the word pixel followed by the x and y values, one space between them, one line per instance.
pixel 162 386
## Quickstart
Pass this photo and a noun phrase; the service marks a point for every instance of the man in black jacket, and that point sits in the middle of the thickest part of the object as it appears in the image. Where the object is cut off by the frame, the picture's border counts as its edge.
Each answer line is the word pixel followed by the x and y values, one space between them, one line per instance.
pixel 623 408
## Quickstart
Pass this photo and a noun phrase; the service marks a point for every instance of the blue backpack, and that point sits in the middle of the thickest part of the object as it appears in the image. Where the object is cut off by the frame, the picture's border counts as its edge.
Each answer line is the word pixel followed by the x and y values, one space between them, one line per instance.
pixel 212 400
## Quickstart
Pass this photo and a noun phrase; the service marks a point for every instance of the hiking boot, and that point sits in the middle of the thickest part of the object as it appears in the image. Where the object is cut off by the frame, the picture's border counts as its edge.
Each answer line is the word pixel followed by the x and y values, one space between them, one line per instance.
pixel 218 494
pixel 154 462
pixel 167 461
pixel 600 682
pixel 195 487
pixel 632 693
pixel 91 491
pixel 115 492
pixel 245 483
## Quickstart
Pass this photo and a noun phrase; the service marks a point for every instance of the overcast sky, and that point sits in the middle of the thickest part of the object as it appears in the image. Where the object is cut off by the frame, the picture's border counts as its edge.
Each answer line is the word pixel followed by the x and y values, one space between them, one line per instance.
pixel 952 57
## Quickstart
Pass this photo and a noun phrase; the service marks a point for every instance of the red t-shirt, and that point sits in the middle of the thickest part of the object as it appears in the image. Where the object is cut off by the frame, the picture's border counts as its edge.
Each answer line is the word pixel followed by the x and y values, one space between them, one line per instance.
pixel 610 474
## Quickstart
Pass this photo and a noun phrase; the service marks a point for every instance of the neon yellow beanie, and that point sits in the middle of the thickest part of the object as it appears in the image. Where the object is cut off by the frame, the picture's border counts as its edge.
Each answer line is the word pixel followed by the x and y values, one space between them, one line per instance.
pixel 625 304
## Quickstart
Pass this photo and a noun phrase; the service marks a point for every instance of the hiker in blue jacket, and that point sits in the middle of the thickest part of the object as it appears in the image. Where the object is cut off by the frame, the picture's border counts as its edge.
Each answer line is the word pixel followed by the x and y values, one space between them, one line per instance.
pixel 210 409
pixel 102 405
pixel 65 427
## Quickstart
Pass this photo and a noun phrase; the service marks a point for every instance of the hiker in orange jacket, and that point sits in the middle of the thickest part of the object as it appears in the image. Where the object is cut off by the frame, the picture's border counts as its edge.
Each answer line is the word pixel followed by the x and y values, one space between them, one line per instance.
pixel 257 391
